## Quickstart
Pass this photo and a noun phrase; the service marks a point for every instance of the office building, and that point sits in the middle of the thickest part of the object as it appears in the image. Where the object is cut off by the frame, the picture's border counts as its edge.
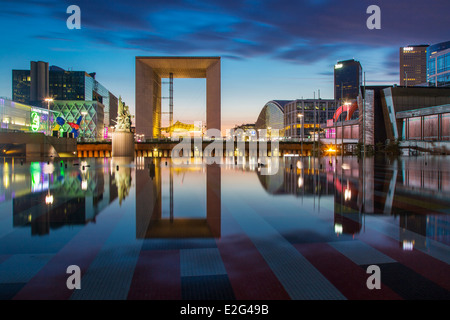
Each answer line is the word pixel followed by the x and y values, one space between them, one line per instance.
pixel 413 65
pixel 438 65
pixel 347 80
pixel 307 114
pixel 41 81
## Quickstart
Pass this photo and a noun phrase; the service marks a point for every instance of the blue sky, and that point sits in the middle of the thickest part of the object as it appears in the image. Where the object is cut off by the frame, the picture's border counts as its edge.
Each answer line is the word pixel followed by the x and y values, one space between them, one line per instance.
pixel 270 49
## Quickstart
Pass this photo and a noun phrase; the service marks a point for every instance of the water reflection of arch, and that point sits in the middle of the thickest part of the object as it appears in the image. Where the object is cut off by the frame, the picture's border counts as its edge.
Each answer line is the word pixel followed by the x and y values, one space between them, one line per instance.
pixel 149 220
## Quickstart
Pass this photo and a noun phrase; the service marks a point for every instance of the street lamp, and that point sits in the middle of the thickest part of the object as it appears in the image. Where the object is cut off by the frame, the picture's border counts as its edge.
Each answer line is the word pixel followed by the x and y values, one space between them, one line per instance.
pixel 48 100
pixel 299 115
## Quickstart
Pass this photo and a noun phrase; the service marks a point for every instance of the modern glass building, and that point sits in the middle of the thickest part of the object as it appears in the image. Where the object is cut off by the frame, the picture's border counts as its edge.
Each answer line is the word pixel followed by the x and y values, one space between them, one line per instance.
pixel 21 86
pixel 347 80
pixel 307 114
pixel 17 116
pixel 62 85
pixel 272 117
pixel 92 126
pixel 438 65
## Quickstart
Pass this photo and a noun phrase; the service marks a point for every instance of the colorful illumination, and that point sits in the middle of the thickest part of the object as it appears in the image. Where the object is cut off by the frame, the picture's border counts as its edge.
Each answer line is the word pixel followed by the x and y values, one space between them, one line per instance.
pixel 347 194
pixel 408 245
pixel 49 199
pixel 330 149
pixel 35 122
pixel 300 182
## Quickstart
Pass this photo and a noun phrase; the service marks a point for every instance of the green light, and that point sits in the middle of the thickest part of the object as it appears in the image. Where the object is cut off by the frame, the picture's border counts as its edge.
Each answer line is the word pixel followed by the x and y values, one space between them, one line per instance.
pixel 35 123
pixel 35 170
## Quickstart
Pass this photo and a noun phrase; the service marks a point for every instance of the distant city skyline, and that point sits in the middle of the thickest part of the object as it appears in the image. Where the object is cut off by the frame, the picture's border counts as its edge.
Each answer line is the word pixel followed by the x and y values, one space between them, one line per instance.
pixel 270 49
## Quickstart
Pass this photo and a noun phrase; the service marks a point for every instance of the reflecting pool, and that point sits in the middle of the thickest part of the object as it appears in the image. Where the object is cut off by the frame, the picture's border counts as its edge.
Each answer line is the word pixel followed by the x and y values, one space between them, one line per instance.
pixel 149 229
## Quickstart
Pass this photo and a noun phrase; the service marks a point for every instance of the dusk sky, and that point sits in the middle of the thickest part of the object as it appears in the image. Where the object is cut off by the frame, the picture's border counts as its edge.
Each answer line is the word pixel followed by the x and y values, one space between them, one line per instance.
pixel 270 49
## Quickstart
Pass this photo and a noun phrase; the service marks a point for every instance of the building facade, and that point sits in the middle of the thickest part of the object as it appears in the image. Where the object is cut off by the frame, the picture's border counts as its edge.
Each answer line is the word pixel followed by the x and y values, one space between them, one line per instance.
pixel 16 116
pixel 302 116
pixel 347 80
pixel 413 65
pixel 438 65
pixel 92 126
pixel 41 81
pixel 271 118
pixel 416 113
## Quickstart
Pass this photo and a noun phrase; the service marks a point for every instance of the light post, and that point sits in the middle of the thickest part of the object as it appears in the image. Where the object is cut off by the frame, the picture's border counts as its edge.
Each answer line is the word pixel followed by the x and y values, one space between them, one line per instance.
pixel 299 115
pixel 48 100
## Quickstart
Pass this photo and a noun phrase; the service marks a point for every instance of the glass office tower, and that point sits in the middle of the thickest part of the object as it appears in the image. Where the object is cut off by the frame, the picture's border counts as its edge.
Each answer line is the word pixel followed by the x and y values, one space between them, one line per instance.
pixel 438 65
pixel 347 80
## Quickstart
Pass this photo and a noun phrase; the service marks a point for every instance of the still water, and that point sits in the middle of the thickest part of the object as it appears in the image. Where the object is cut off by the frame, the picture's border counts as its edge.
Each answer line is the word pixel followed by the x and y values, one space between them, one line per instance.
pixel 149 229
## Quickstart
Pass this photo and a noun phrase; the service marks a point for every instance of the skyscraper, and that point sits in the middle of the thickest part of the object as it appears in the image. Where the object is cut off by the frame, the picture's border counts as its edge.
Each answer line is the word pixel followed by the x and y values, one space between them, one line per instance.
pixel 438 65
pixel 413 65
pixel 347 74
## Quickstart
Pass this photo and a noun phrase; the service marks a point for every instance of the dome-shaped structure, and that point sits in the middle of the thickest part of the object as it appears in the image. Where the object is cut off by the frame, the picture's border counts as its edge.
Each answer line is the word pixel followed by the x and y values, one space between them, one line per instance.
pixel 272 116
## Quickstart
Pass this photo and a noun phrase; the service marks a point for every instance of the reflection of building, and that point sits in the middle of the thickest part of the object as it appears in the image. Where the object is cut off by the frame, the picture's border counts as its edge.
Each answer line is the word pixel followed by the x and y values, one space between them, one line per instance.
pixel 413 65
pixel 308 112
pixel 347 80
pixel 153 221
pixel 272 117
pixel 296 181
pixel 438 65
pixel 78 197
pixel 40 82
pixel 31 210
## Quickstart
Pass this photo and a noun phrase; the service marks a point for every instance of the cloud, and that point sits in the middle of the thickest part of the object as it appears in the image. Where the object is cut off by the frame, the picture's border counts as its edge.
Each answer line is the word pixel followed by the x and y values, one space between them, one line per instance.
pixel 294 31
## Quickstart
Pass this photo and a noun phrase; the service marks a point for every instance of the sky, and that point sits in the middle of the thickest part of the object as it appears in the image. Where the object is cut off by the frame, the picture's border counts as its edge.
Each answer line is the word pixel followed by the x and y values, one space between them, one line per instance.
pixel 269 49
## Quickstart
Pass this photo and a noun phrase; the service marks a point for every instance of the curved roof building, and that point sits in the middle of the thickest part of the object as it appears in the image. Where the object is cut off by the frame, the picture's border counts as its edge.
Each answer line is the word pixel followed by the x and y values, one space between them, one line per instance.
pixel 272 116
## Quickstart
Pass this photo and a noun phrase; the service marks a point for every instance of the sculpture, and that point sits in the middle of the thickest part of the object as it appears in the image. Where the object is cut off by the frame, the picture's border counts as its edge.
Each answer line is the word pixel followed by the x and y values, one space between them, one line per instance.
pixel 123 122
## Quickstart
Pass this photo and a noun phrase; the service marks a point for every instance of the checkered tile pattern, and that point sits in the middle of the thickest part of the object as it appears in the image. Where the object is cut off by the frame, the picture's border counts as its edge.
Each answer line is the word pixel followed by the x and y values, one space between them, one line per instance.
pixel 277 250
